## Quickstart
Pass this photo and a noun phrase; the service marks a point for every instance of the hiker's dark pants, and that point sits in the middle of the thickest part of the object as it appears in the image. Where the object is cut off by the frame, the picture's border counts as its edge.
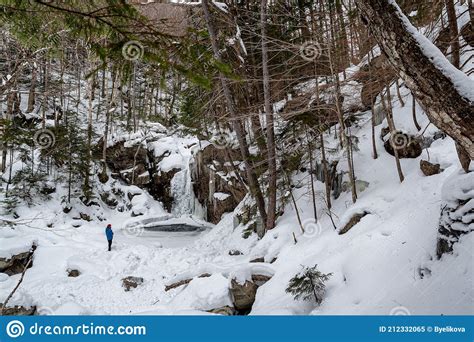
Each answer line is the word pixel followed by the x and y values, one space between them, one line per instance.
pixel 110 244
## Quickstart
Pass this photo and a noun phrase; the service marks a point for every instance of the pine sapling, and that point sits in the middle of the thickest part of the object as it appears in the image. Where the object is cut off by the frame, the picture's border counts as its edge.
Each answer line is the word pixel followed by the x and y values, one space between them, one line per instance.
pixel 308 284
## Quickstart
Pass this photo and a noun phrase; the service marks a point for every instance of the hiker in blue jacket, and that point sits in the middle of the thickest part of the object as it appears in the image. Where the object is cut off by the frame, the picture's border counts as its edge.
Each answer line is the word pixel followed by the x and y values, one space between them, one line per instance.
pixel 110 235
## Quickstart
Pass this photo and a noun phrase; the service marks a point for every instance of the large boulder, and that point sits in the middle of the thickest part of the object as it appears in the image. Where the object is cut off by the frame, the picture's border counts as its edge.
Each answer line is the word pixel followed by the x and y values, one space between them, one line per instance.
pixel 243 295
pixel 184 282
pixel 129 163
pixel 429 169
pixel 207 293
pixel 215 184
pixel 17 263
pixel 260 279
pixel 17 310
pixel 352 222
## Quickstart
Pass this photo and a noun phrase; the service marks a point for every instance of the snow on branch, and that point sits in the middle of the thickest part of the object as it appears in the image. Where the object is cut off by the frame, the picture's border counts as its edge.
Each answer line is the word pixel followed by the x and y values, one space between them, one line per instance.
pixel 460 80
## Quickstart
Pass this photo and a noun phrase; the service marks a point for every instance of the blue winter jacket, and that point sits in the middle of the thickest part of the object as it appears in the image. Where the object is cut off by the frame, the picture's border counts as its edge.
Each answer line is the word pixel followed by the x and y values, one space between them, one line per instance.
pixel 109 233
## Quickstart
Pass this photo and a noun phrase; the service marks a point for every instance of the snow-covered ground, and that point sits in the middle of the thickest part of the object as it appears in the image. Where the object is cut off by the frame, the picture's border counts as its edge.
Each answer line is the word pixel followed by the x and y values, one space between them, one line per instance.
pixel 386 262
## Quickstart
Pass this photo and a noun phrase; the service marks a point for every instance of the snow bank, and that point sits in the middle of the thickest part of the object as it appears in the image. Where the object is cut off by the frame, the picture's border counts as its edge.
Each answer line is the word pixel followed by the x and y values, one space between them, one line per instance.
pixel 15 245
pixel 204 294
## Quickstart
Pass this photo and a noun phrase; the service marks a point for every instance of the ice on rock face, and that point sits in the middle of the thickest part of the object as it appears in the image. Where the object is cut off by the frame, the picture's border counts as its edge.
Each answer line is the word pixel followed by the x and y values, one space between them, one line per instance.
pixel 182 192
pixel 185 202
pixel 174 152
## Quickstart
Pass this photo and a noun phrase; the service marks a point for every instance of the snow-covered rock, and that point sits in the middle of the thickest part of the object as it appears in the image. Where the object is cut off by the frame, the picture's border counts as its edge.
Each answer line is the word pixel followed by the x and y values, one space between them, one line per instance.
pixel 204 294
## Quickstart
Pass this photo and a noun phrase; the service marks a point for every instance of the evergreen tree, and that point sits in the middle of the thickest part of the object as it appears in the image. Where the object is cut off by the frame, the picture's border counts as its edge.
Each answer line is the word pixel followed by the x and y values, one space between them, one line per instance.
pixel 308 284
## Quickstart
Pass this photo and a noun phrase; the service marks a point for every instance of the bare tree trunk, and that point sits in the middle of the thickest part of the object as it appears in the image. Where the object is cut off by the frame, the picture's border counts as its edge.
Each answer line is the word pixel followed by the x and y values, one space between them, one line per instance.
pixel 134 106
pixel 345 141
pixel 129 104
pixel 453 28
pixel 255 118
pixel 271 151
pixel 31 95
pixel 448 106
pixel 110 109
pixel 413 113
pixel 372 123
pixel 343 41
pixel 87 187
pixel 471 9
pixel 327 179
pixel 393 130
pixel 311 175
pixel 293 199
pixel 372 109
pixel 251 175
pixel 3 148
pixel 340 115
pixel 402 103
pixel 45 91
